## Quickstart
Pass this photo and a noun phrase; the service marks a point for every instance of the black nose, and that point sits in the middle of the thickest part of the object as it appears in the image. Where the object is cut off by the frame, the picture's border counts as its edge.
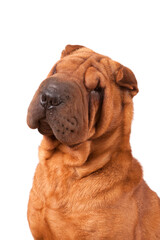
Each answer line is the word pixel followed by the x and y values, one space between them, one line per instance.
pixel 49 99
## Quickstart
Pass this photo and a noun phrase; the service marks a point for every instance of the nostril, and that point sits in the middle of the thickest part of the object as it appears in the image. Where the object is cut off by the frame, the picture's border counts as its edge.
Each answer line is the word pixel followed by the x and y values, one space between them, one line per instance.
pixel 43 100
pixel 56 101
pixel 49 101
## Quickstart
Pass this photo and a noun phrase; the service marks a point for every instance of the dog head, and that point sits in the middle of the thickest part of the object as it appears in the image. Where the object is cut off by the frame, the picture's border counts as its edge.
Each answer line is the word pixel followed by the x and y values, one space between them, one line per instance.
pixel 82 98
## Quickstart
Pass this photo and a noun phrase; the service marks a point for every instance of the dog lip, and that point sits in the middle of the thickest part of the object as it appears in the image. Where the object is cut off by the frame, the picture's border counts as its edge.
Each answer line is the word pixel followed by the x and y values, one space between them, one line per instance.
pixel 44 128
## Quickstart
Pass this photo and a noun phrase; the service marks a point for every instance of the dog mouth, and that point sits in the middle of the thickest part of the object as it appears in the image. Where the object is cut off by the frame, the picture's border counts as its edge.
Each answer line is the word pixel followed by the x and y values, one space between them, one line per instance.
pixel 44 128
pixel 58 126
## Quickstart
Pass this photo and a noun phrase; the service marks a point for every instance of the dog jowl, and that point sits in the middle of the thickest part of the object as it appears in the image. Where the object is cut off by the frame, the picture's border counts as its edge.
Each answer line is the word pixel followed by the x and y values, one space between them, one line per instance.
pixel 87 184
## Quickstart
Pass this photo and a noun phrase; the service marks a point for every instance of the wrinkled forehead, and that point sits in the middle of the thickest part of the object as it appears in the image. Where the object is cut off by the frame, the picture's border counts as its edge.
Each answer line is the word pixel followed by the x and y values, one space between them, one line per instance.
pixel 87 67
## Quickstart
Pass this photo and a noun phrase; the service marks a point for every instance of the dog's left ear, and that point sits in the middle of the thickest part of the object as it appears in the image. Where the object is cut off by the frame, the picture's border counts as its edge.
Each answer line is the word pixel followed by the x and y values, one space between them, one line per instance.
pixel 69 49
pixel 125 78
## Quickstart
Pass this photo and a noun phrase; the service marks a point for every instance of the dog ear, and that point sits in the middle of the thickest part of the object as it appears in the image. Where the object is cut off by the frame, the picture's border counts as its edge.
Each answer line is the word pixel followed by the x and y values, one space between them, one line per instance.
pixel 69 49
pixel 126 78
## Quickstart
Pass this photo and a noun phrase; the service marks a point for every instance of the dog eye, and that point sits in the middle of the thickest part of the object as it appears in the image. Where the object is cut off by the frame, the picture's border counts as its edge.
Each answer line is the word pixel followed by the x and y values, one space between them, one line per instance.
pixel 54 70
pixel 98 89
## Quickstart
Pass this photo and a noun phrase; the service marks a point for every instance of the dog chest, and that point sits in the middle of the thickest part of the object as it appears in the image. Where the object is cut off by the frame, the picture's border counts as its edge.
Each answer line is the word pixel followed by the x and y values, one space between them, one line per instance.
pixel 77 214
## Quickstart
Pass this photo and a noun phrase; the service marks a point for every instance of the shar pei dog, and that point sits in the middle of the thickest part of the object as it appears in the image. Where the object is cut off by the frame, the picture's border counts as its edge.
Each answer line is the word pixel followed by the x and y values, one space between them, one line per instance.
pixel 87 184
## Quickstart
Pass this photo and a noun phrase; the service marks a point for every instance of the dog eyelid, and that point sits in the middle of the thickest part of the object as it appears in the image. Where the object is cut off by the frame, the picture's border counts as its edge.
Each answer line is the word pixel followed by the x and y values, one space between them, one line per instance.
pixel 98 89
pixel 54 70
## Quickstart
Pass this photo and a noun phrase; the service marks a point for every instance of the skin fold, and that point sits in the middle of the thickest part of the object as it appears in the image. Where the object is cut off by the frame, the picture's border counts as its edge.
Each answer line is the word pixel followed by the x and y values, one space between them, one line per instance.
pixel 87 185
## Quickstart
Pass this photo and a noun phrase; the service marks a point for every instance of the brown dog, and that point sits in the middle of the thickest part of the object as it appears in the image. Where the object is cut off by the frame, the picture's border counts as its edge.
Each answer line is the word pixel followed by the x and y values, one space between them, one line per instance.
pixel 87 184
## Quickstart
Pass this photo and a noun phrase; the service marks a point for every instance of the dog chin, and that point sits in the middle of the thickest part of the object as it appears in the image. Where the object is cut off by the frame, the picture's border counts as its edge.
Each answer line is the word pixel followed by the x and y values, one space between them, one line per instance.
pixel 66 135
pixel 44 128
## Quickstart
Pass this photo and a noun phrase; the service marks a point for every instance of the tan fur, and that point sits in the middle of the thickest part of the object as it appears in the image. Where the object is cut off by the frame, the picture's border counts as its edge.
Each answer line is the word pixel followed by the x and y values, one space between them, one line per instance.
pixel 94 190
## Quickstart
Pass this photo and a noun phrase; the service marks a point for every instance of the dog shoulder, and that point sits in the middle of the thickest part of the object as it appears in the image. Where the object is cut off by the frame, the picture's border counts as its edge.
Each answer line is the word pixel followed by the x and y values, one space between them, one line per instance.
pixel 148 204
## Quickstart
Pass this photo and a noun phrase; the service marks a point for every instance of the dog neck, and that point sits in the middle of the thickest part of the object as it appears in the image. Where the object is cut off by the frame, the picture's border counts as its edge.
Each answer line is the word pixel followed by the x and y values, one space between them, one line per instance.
pixel 90 156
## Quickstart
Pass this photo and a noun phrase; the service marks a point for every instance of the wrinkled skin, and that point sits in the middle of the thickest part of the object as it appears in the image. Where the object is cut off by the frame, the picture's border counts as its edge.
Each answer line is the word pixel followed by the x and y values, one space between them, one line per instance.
pixel 81 97
pixel 87 184
pixel 67 120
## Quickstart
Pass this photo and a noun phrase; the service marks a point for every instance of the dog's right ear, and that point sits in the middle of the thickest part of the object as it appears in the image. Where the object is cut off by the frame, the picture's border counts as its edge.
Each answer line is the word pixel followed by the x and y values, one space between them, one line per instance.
pixel 69 49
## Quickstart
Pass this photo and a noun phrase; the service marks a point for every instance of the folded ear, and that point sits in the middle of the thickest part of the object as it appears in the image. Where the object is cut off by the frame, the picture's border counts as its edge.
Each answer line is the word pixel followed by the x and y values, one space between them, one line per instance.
pixel 69 49
pixel 126 78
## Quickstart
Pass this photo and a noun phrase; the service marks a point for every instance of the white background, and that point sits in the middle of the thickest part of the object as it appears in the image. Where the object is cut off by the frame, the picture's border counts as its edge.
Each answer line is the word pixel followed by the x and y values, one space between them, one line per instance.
pixel 33 34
